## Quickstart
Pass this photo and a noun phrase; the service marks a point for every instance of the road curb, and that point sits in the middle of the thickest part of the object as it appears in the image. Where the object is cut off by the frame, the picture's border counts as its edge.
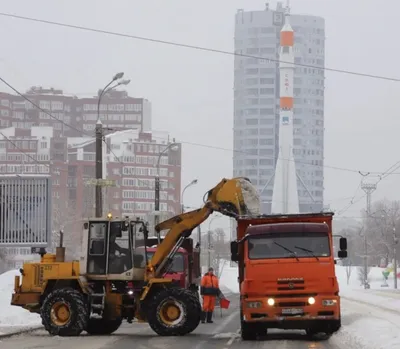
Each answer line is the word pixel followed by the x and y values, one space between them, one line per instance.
pixel 22 331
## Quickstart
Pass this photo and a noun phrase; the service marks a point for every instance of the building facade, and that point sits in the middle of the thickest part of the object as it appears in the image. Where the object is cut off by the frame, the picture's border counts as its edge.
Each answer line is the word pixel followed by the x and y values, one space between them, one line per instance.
pixel 131 161
pixel 256 102
pixel 117 111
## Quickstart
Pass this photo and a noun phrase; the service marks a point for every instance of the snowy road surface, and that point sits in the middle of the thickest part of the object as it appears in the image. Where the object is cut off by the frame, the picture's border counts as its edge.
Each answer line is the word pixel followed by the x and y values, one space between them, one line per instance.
pixel 224 334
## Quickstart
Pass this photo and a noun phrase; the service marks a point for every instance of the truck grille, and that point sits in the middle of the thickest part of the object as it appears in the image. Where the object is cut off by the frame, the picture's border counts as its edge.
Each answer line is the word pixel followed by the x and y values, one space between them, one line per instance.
pixel 290 284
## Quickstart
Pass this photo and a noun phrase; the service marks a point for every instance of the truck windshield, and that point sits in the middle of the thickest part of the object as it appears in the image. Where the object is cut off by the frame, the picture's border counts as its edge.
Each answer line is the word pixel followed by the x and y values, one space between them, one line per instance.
pixel 289 245
pixel 178 263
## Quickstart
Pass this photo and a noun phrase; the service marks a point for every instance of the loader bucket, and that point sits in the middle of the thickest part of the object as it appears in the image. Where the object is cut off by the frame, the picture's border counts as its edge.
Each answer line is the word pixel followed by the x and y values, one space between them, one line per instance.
pixel 237 197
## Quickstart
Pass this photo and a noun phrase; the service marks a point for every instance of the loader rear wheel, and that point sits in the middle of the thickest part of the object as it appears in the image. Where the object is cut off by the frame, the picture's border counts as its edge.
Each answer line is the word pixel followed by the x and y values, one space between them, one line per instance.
pixel 103 326
pixel 173 312
pixel 64 312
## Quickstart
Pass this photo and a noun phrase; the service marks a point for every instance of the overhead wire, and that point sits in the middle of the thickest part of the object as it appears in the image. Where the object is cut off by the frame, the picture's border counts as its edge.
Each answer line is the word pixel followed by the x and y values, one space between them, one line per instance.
pixel 391 170
pixel 182 142
pixel 195 47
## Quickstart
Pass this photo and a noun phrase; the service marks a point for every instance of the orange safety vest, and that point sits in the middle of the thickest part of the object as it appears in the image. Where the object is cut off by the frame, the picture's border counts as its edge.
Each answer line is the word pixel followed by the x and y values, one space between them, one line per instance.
pixel 209 285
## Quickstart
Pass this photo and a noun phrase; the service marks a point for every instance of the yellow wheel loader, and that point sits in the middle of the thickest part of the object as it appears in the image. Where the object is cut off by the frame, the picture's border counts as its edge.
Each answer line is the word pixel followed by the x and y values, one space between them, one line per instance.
pixel 115 281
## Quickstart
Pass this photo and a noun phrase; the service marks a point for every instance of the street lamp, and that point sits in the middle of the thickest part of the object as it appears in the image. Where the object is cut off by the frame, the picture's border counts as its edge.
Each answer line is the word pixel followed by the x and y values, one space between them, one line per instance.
pixel 99 148
pixel 193 182
pixel 173 146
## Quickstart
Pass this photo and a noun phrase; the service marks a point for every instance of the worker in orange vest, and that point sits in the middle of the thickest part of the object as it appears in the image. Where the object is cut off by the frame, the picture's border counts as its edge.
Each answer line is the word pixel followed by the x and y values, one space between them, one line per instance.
pixel 209 289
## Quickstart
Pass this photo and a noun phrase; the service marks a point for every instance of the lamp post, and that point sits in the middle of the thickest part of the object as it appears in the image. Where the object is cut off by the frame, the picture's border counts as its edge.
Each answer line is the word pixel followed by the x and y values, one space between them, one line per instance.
pixel 172 146
pixel 99 144
pixel 193 182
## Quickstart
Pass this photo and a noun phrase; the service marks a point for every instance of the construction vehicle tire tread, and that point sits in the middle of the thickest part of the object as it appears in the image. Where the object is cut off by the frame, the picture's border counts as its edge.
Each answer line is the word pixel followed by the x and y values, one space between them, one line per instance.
pixel 102 326
pixel 78 312
pixel 190 315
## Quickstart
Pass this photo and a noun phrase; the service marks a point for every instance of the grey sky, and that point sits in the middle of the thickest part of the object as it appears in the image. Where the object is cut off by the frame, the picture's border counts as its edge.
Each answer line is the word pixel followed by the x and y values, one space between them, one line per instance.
pixel 192 91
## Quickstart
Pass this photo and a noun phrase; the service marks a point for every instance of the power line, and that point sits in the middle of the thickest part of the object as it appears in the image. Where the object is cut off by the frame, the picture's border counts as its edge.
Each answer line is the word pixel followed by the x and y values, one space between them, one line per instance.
pixel 41 109
pixel 195 47
pixel 384 175
pixel 183 142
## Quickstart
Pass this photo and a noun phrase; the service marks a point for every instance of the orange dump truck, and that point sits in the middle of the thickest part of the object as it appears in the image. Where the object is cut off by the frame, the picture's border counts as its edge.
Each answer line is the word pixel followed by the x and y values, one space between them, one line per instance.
pixel 287 274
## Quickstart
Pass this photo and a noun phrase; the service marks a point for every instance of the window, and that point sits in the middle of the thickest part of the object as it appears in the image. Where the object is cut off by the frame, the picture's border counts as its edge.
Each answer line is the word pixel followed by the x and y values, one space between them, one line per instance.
pixel 178 263
pixel 289 245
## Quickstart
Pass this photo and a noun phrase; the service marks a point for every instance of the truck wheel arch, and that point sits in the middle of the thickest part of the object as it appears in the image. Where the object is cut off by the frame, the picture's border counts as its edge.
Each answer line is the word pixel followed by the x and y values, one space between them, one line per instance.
pixel 53 284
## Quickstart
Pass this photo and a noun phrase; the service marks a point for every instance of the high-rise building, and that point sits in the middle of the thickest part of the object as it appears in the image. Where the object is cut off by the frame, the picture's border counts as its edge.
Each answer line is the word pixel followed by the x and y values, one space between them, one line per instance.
pixel 256 102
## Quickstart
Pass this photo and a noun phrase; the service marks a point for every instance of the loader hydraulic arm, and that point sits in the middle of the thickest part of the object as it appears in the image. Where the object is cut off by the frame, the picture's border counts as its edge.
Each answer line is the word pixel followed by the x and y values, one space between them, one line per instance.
pixel 231 197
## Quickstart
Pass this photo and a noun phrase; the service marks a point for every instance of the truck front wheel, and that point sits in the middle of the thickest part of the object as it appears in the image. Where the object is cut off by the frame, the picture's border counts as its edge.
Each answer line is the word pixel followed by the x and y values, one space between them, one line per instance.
pixel 250 331
pixel 173 312
pixel 64 312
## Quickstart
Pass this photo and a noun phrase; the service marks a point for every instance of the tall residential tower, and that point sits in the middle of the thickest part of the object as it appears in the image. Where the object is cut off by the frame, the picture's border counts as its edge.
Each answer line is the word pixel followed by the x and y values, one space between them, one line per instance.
pixel 257 102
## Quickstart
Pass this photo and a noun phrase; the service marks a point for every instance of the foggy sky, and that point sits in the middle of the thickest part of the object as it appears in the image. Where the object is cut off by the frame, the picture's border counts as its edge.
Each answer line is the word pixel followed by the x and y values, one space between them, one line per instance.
pixel 192 91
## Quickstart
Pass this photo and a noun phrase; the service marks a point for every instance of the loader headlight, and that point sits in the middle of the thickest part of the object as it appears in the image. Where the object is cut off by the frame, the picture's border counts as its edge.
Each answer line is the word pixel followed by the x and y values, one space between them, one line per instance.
pixel 271 301
pixel 329 302
pixel 130 292
pixel 254 304
pixel 311 300
pixel 109 216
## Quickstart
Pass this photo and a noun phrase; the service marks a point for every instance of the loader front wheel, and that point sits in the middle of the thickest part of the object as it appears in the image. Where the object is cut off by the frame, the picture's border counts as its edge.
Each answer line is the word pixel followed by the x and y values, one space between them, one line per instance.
pixel 101 327
pixel 173 312
pixel 64 312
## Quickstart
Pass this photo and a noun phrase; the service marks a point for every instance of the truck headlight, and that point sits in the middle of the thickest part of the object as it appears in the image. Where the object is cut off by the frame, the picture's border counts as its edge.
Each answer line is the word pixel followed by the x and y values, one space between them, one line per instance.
pixel 311 300
pixel 271 301
pixel 254 304
pixel 329 302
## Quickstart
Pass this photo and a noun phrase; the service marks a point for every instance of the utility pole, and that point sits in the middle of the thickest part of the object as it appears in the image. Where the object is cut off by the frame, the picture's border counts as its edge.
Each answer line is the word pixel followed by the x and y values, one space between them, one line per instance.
pixel 171 146
pixel 99 167
pixel 99 144
pixel 368 188
pixel 395 241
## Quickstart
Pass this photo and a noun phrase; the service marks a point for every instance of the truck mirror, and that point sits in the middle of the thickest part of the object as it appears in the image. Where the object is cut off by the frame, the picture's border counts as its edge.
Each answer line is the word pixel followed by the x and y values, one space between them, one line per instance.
pixel 234 251
pixel 342 254
pixel 343 244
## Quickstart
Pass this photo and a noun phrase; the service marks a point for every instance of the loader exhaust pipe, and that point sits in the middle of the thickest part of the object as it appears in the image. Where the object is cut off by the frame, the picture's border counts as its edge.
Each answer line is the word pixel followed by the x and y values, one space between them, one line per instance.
pixel 60 250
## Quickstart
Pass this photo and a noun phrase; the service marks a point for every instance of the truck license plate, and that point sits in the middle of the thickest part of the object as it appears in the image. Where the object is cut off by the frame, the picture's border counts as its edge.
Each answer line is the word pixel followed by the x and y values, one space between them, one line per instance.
pixel 292 311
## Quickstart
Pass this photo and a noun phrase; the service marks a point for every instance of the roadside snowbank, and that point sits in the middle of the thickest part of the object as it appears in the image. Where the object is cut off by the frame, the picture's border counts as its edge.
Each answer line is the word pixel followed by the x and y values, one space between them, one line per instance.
pixel 12 315
pixel 367 327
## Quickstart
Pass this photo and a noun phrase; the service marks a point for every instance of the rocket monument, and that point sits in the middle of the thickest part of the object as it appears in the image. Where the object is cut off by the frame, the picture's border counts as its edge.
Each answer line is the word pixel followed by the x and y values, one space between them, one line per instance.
pixel 284 196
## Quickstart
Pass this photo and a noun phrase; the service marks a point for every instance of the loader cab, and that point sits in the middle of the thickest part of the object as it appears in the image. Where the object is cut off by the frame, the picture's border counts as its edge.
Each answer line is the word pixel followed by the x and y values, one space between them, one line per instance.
pixel 108 250
pixel 110 246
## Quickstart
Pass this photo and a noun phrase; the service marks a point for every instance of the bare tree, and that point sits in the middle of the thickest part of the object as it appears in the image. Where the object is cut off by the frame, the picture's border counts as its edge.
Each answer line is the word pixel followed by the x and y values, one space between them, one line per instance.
pixel 382 224
pixel 361 273
pixel 349 269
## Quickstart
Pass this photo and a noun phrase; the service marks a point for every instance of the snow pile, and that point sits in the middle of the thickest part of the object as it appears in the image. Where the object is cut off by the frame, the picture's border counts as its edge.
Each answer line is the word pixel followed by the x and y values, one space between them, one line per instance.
pixel 251 197
pixel 12 315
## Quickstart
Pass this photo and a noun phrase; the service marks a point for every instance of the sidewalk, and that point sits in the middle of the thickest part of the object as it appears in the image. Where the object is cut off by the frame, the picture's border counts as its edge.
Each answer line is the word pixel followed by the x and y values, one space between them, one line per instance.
pixel 383 299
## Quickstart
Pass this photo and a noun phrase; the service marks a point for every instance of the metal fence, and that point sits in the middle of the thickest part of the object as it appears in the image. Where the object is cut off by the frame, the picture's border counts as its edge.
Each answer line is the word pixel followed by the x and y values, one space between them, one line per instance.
pixel 25 211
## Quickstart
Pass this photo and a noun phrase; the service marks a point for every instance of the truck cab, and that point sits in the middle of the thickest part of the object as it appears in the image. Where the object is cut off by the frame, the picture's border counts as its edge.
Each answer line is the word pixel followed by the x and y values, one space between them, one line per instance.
pixel 185 268
pixel 287 274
